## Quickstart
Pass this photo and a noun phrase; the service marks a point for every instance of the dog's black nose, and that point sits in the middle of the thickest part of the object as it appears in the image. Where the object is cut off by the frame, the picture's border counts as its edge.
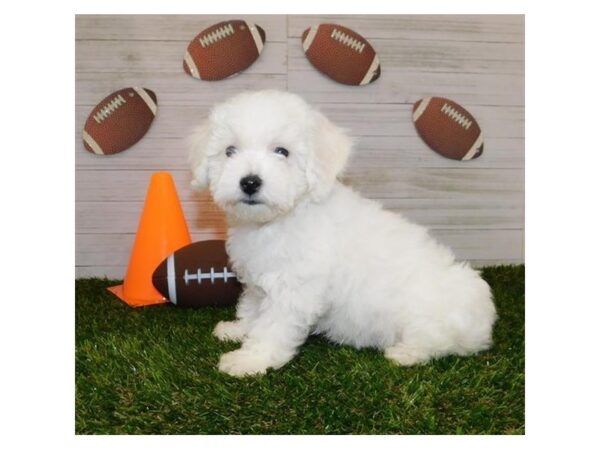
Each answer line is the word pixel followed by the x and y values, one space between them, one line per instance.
pixel 250 184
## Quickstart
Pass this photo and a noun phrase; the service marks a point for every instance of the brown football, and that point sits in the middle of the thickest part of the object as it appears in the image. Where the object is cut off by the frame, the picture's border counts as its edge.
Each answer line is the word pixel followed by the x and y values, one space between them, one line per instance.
pixel 448 128
pixel 119 121
pixel 341 54
pixel 223 50
pixel 198 274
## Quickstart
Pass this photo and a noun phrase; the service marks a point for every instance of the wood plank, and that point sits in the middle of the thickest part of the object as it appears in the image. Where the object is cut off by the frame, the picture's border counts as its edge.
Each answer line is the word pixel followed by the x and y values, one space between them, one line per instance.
pixel 369 151
pixel 398 85
pixel 476 244
pixel 433 56
pixel 115 249
pixel 160 56
pixel 475 185
pixel 118 272
pixel 171 122
pixel 168 27
pixel 127 186
pixel 94 271
pixel 459 214
pixel 359 119
pixel 396 119
pixel 123 217
pixel 172 89
pixel 411 151
pixel 468 28
pixel 455 213
pixel 148 154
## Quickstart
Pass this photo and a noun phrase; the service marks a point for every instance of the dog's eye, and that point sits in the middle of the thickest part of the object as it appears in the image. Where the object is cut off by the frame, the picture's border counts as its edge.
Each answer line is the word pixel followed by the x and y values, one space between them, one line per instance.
pixel 230 151
pixel 282 151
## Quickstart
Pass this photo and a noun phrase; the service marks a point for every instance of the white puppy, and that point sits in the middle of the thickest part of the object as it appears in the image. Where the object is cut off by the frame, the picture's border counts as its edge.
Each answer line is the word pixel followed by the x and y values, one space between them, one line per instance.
pixel 314 256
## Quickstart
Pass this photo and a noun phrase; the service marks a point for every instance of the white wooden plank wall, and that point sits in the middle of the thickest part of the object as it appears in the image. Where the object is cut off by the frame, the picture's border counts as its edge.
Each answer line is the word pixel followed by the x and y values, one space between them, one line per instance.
pixel 475 207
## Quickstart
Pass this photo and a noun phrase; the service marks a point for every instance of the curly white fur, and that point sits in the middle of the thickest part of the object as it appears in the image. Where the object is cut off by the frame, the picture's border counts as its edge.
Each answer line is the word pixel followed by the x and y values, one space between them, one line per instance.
pixel 315 257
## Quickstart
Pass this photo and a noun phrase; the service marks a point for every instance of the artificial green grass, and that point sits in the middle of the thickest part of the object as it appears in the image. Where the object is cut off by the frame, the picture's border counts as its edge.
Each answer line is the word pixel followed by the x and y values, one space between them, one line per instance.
pixel 153 371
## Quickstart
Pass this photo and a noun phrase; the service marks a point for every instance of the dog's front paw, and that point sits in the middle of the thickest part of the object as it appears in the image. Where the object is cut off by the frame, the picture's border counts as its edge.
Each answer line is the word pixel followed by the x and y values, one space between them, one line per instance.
pixel 239 363
pixel 405 355
pixel 232 331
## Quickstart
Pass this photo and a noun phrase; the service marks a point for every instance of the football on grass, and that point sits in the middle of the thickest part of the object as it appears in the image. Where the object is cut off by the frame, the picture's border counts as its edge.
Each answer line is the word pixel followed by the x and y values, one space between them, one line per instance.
pixel 223 49
pixel 341 54
pixel 448 128
pixel 198 274
pixel 119 121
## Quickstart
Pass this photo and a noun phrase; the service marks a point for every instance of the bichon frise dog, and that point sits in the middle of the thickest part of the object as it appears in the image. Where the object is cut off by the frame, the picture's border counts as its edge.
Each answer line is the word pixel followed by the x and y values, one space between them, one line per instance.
pixel 314 256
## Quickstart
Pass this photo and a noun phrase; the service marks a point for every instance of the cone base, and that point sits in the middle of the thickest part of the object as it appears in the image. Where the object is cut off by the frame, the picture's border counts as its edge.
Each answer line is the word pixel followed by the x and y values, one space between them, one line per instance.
pixel 118 291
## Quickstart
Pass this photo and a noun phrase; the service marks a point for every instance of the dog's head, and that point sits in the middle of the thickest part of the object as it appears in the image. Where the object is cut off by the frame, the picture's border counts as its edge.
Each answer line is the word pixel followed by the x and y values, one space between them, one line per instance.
pixel 261 153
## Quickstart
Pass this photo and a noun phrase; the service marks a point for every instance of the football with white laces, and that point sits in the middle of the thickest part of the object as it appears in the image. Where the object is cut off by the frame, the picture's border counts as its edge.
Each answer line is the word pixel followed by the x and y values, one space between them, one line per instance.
pixel 223 49
pixel 119 121
pixel 448 128
pixel 197 275
pixel 341 54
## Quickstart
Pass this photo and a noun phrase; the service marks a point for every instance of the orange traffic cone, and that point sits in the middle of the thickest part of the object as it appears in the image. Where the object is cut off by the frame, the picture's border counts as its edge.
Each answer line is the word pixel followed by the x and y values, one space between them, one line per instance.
pixel 161 231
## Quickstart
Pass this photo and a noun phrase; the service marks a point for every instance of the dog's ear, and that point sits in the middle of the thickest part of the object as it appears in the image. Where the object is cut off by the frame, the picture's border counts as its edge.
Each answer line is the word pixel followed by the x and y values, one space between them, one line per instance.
pixel 330 152
pixel 198 143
